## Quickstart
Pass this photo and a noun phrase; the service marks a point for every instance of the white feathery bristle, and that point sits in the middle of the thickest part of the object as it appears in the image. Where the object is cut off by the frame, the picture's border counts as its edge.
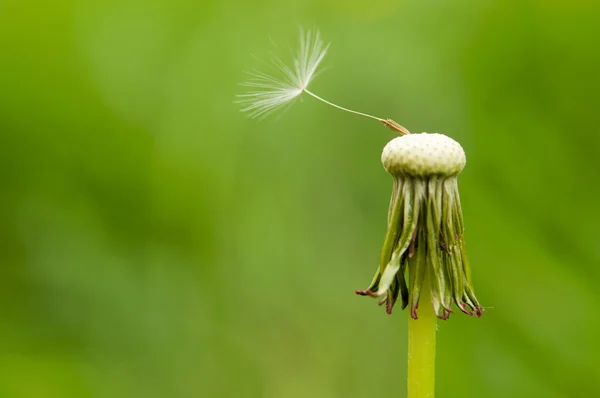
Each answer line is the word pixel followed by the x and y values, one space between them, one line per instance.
pixel 269 91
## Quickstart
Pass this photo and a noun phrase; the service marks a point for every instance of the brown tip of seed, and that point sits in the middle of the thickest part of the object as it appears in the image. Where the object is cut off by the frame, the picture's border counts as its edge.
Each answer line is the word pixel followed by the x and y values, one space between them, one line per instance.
pixel 392 125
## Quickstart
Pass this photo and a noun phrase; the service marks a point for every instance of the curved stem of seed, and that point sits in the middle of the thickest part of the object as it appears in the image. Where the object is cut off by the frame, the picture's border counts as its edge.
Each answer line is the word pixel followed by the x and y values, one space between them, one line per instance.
pixel 421 348
pixel 389 123
pixel 341 107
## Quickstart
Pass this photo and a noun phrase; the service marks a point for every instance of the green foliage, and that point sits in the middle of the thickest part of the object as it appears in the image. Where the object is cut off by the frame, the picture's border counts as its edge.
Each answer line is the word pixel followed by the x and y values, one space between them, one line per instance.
pixel 156 243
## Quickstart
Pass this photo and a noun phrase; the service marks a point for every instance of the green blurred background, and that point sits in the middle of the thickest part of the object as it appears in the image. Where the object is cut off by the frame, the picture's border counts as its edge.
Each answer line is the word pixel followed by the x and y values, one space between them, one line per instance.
pixel 154 242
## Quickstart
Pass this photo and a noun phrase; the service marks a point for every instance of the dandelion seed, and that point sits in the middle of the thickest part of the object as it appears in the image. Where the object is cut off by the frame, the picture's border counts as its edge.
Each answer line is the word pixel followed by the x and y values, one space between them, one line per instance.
pixel 270 92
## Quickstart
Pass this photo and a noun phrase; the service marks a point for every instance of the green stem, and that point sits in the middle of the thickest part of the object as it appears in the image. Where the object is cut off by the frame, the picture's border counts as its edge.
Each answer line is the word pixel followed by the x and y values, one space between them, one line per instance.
pixel 421 348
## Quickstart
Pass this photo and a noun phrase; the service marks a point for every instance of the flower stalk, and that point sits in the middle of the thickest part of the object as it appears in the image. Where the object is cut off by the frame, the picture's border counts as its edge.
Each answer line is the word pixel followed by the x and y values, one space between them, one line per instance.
pixel 421 351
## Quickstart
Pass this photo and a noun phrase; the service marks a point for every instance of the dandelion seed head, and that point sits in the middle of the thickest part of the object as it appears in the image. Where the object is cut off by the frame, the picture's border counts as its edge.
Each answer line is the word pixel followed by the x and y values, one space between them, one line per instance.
pixel 270 91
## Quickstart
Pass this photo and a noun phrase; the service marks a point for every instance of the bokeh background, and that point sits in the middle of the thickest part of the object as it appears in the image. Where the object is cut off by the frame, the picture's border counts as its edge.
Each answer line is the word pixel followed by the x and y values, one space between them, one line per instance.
pixel 154 242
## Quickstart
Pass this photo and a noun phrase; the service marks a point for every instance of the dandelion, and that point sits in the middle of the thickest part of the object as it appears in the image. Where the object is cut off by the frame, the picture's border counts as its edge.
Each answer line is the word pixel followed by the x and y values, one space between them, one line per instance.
pixel 425 228
pixel 270 92
pixel 425 239
pixel 424 242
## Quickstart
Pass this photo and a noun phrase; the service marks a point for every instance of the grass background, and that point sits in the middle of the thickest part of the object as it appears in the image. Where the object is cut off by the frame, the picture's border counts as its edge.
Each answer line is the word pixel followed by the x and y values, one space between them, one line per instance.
pixel 156 243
